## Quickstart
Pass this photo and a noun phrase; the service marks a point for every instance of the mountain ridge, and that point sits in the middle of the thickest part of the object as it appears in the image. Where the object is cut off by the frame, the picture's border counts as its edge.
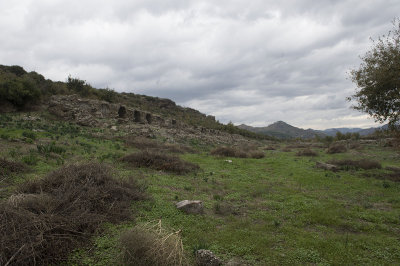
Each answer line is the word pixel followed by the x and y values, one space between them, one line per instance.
pixel 283 130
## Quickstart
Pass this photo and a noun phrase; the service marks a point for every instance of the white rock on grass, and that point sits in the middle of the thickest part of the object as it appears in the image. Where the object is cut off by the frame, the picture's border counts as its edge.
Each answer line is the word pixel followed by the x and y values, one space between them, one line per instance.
pixel 190 206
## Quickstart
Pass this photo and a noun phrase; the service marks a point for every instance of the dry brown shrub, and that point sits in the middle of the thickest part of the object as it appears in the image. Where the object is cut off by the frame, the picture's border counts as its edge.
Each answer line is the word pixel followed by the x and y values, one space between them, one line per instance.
pixel 356 164
pixel 48 218
pixel 151 244
pixel 298 145
pixel 354 145
pixel 228 152
pixel 336 148
pixel 256 154
pixel 286 149
pixel 307 152
pixel 142 143
pixel 160 161
pixel 9 167
pixel 269 148
pixel 248 147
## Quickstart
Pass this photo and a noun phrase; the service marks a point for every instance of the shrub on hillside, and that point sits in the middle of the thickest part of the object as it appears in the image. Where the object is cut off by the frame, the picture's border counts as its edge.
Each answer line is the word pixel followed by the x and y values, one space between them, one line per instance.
pixel 9 167
pixel 356 164
pixel 336 148
pixel 160 161
pixel 307 152
pixel 256 154
pixel 48 218
pixel 151 244
pixel 228 152
pixel 149 144
pixel 19 92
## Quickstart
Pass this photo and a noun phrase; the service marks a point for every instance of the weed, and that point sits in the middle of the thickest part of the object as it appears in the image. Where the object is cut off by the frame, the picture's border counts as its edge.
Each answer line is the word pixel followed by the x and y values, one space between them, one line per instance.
pixel 30 159
pixel 48 148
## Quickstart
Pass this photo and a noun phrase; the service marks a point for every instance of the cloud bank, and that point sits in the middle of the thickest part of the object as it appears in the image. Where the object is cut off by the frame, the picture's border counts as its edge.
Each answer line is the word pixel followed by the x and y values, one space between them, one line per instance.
pixel 247 62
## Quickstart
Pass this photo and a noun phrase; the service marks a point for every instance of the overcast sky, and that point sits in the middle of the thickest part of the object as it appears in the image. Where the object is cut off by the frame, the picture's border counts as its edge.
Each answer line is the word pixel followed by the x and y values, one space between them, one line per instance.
pixel 253 62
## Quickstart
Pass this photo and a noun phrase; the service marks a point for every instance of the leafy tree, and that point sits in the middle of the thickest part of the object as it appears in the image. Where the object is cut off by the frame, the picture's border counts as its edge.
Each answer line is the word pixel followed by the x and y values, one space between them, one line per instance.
pixel 378 78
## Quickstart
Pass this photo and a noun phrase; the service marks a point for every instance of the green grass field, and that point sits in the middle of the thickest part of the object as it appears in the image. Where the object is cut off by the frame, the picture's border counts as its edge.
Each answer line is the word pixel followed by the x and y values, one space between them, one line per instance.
pixel 277 210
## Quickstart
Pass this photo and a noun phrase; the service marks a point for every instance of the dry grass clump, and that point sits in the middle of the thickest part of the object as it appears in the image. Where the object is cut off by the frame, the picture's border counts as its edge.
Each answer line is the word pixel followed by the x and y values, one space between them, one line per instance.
pixel 160 161
pixel 151 244
pixel 307 152
pixel 336 148
pixel 9 167
pixel 356 164
pixel 48 218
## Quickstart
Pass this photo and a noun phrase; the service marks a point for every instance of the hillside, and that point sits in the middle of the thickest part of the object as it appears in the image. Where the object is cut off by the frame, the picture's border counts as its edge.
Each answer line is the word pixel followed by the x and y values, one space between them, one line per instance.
pixel 20 90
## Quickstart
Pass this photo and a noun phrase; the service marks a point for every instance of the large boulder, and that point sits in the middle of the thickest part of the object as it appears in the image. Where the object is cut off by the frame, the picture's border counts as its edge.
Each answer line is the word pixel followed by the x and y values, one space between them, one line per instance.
pixel 207 258
pixel 190 206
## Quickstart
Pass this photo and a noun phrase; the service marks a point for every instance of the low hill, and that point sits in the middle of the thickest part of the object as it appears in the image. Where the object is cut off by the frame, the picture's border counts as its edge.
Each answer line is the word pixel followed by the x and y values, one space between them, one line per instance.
pixel 283 130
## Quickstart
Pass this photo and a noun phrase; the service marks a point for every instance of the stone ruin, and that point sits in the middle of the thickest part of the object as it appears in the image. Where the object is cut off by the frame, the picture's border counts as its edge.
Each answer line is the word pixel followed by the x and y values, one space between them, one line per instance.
pixel 88 112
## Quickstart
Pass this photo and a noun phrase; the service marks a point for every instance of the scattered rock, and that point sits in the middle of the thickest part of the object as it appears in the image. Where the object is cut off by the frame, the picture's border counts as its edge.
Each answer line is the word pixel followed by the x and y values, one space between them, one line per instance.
pixel 327 166
pixel 207 258
pixel 190 206
pixel 114 128
pixel 228 161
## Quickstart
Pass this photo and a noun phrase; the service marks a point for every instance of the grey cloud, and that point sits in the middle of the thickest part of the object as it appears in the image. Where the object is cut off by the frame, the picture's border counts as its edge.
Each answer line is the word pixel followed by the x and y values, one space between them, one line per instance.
pixel 242 61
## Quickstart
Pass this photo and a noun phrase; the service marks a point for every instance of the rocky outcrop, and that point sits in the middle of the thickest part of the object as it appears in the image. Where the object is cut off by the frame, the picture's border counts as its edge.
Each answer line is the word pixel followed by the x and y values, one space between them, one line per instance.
pixel 190 206
pixel 87 112
pixel 207 258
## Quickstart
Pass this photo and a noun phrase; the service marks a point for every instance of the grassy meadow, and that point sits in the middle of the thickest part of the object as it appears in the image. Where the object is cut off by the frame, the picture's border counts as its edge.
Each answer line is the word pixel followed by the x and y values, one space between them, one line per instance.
pixel 275 210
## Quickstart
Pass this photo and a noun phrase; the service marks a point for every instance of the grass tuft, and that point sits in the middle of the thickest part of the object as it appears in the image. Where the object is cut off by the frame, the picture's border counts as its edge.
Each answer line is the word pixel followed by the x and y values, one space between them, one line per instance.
pixel 152 244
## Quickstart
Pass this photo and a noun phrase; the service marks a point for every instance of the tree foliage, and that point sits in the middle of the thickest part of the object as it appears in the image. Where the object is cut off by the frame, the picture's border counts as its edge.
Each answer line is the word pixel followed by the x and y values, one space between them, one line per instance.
pixel 378 78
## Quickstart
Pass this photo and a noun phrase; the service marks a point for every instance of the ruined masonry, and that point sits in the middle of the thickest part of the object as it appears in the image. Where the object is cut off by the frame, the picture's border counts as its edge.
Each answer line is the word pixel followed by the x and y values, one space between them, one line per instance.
pixel 87 112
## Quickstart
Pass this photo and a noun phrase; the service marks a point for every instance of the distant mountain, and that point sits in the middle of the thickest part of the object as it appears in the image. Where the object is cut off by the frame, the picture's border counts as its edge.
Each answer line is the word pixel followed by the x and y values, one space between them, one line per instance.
pixel 283 130
pixel 344 130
